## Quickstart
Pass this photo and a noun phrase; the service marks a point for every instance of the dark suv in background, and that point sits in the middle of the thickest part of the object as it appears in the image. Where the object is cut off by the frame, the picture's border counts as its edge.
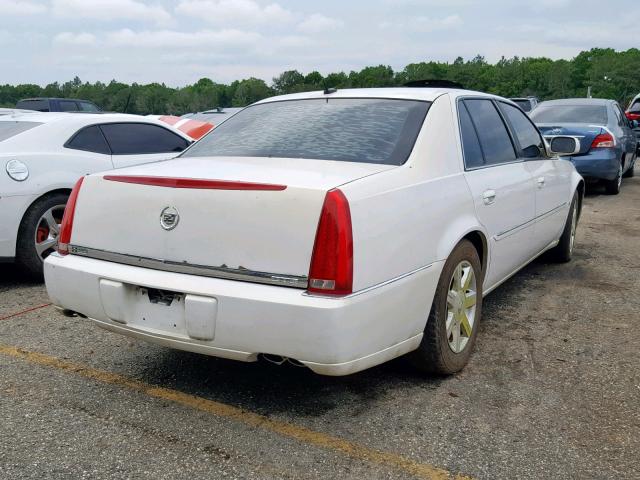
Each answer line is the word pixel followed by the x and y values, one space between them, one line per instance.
pixel 42 104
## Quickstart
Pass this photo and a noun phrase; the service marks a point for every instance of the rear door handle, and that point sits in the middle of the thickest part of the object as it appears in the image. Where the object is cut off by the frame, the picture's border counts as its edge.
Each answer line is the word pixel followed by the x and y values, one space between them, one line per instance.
pixel 489 196
pixel 540 182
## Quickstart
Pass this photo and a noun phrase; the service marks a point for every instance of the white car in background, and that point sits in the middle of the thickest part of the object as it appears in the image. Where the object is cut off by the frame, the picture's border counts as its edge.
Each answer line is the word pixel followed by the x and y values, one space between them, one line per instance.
pixel 336 229
pixel 42 155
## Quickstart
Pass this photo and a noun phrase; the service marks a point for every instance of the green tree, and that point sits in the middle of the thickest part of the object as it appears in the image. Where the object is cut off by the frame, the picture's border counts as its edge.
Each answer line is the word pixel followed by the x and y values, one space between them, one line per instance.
pixel 288 82
pixel 610 74
pixel 249 91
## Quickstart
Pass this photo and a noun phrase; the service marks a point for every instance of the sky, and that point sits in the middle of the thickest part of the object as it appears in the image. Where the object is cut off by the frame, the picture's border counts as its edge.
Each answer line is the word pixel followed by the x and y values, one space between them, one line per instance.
pixel 179 42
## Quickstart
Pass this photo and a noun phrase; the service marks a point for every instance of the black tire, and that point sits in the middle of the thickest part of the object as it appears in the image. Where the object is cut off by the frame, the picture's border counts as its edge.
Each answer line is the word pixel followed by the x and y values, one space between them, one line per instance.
pixel 631 172
pixel 612 187
pixel 563 252
pixel 27 256
pixel 434 355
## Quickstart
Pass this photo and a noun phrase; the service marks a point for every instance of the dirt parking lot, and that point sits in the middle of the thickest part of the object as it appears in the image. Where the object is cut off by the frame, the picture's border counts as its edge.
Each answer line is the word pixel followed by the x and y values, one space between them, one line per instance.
pixel 552 390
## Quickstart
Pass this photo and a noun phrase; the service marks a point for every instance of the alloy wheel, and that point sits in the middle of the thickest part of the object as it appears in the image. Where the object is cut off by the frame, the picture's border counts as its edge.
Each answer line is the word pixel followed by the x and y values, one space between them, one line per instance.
pixel 461 306
pixel 574 226
pixel 48 230
pixel 619 179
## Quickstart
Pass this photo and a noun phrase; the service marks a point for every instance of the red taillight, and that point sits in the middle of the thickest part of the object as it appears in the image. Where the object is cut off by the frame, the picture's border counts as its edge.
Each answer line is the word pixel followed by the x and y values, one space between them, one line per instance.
pixel 604 140
pixel 331 270
pixel 67 219
pixel 632 116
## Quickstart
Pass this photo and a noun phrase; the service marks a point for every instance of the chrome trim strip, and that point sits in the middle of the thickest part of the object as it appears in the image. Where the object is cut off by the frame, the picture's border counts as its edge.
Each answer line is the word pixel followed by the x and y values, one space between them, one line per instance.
pixel 506 233
pixel 224 272
pixel 552 211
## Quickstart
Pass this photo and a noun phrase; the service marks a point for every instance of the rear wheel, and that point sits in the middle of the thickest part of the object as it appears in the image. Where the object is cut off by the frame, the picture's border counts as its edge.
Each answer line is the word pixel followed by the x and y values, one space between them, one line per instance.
pixel 631 172
pixel 612 187
pixel 564 250
pixel 38 233
pixel 454 319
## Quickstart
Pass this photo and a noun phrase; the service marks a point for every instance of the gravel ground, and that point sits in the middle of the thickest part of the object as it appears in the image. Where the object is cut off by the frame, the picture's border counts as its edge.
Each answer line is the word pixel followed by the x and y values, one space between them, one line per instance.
pixel 552 390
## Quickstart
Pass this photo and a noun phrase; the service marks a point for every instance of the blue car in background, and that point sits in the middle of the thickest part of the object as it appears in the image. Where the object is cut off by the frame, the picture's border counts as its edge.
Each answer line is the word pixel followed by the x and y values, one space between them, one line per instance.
pixel 608 144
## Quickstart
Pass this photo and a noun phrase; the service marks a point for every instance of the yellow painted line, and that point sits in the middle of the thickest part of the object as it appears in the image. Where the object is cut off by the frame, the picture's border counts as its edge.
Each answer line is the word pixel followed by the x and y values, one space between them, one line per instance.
pixel 302 434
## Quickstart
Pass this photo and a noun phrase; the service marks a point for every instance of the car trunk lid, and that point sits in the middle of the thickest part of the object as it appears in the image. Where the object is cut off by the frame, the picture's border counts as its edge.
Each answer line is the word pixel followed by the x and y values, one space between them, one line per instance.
pixel 228 214
pixel 586 133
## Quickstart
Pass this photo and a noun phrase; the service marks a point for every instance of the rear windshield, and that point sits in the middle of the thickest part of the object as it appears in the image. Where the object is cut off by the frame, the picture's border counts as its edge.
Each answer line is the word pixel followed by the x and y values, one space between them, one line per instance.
pixel 9 129
pixel 368 130
pixel 570 114
pixel 635 108
pixel 523 104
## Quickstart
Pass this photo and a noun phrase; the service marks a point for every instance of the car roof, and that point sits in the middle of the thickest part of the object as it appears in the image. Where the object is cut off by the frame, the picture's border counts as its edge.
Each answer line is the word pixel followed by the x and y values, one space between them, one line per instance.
pixel 66 123
pixel 53 98
pixel 401 93
pixel 577 101
pixel 76 118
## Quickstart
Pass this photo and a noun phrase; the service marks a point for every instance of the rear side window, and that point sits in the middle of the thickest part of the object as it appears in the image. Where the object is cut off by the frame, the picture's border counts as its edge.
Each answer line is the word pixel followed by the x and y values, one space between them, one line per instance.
pixel 622 121
pixel 89 139
pixel 492 132
pixel 10 129
pixel 141 138
pixel 37 105
pixel 528 136
pixel 366 130
pixel 473 157
pixel 68 106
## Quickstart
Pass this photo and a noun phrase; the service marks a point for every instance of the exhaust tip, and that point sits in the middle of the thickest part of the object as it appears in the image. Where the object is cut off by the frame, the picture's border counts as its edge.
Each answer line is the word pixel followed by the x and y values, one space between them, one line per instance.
pixel 275 359
pixel 70 313
pixel 280 360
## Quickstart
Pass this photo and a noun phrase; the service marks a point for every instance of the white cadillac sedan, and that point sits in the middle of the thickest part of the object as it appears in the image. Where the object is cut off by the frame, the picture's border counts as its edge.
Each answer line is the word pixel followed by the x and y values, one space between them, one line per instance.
pixel 336 229
pixel 43 154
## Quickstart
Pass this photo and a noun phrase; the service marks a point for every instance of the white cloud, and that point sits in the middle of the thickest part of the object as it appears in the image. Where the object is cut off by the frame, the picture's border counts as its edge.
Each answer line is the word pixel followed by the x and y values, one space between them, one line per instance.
pixel 203 39
pixel 5 37
pixel 15 7
pixel 425 24
pixel 69 38
pixel 318 23
pixel 235 12
pixel 111 10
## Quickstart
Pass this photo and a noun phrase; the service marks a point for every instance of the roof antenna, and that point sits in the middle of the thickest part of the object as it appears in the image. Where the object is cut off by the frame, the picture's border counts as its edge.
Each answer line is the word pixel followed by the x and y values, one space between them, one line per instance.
pixel 330 90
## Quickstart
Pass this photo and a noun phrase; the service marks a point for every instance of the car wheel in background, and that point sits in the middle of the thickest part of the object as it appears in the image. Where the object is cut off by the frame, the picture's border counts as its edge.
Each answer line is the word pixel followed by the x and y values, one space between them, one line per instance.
pixel 454 319
pixel 563 252
pixel 612 187
pixel 38 233
pixel 631 172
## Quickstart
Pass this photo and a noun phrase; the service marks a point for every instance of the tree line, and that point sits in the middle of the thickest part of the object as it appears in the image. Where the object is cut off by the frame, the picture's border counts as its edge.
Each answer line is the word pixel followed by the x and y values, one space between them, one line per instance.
pixel 609 74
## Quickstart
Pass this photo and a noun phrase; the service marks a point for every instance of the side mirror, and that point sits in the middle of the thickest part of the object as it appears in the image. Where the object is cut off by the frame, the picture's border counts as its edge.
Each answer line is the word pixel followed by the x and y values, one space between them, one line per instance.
pixel 564 145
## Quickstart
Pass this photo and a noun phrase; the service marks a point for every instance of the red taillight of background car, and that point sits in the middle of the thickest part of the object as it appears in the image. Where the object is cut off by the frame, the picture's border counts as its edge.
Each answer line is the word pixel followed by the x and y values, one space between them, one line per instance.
pixel 604 140
pixel 67 219
pixel 331 271
pixel 632 116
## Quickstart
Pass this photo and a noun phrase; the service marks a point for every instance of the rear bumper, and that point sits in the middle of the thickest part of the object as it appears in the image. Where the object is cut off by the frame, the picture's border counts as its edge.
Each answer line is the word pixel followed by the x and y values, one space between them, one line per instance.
pixel 332 336
pixel 601 164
